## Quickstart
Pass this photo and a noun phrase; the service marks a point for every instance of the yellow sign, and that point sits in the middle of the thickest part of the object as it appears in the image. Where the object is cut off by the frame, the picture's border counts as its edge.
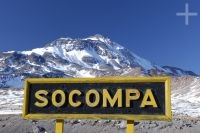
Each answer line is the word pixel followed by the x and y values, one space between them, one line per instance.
pixel 142 98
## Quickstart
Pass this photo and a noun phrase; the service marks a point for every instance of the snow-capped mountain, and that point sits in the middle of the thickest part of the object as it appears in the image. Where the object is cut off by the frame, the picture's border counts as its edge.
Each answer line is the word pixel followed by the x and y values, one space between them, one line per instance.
pixel 66 57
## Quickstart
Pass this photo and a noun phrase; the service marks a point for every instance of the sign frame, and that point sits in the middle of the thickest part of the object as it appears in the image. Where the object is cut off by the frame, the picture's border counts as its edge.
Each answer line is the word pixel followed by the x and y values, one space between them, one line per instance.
pixel 167 116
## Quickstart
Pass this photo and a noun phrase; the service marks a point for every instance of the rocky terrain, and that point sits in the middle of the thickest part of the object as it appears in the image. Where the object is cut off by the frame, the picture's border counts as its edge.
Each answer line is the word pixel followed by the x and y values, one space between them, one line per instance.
pixel 179 124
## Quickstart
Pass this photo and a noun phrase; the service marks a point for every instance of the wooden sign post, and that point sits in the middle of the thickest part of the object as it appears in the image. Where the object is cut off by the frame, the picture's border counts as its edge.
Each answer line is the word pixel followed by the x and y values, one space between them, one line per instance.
pixel 143 98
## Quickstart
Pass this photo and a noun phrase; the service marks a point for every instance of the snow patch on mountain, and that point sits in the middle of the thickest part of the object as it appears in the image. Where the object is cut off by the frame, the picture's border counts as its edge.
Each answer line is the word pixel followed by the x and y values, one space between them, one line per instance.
pixel 39 51
pixel 177 71
pixel 98 37
pixel 11 101
pixel 185 95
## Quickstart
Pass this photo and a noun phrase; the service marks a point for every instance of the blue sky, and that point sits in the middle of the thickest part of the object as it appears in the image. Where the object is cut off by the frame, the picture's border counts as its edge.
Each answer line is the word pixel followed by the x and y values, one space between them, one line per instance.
pixel 150 28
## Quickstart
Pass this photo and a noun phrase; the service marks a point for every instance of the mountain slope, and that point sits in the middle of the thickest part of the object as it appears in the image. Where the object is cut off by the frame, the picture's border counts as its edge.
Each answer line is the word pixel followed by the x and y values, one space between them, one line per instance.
pixel 177 71
pixel 185 95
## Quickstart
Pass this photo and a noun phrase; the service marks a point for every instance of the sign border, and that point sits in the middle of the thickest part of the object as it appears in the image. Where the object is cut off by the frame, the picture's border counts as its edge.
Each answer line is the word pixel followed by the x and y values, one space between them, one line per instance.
pixel 167 116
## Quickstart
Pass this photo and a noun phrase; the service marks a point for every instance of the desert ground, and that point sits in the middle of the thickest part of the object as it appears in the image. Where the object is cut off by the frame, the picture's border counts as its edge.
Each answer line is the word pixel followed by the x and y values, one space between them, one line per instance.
pixel 179 124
